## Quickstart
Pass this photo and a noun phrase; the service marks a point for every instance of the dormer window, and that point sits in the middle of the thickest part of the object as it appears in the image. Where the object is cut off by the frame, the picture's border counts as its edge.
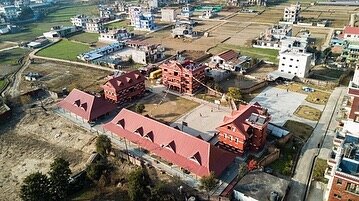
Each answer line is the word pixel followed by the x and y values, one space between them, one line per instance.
pixel 196 158
pixel 77 103
pixel 149 136
pixel 139 131
pixel 121 123
pixel 84 106
pixel 171 146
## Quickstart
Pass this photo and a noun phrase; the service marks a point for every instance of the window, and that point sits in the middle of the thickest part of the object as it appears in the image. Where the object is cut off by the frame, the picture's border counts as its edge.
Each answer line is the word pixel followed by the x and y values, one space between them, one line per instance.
pixel 225 135
pixel 289 72
pixel 290 66
pixel 337 196
pixel 283 58
pixel 296 66
pixel 281 70
pixel 291 59
pixel 353 188
pixel 339 181
pixel 283 64
pixel 230 138
pixel 236 140
pixel 175 73
pixel 229 127
pixel 297 60
pixel 165 70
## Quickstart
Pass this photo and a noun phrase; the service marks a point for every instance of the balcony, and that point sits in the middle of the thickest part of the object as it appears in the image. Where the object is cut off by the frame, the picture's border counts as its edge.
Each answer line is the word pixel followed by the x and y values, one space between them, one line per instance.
pixel 353 89
pixel 331 160
pixel 339 137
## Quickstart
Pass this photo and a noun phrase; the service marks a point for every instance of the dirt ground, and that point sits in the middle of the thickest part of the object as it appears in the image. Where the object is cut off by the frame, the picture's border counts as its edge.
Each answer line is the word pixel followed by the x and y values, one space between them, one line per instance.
pixel 171 108
pixel 30 143
pixel 57 76
pixel 262 71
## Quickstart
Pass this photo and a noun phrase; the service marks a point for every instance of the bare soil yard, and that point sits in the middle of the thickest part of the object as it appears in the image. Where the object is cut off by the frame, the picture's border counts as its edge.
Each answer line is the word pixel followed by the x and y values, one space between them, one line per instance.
pixel 169 110
pixel 31 144
pixel 56 76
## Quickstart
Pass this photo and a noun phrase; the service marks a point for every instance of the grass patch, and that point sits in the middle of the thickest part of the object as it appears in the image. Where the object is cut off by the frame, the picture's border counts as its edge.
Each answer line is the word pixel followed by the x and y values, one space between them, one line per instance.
pixel 59 17
pixel 85 37
pixel 120 24
pixel 319 170
pixel 323 73
pixel 318 97
pixel 9 60
pixel 299 129
pixel 265 54
pixel 2 84
pixel 284 164
pixel 307 112
pixel 64 49
pixel 169 110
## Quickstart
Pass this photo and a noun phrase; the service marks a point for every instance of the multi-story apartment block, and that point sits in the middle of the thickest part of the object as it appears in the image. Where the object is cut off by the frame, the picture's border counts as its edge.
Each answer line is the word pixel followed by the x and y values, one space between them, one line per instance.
pixel 297 64
pixel 245 129
pixel 351 51
pixel 9 12
pixel 21 3
pixel 124 87
pixel 87 24
pixel 168 15
pixel 183 76
pixel 79 20
pixel 145 22
pixel 351 34
pixel 115 35
pixel 292 13
pixel 133 12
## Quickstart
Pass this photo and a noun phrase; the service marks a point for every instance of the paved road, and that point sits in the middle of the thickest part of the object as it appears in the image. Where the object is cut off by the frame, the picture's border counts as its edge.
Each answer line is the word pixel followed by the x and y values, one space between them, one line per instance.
pixel 310 149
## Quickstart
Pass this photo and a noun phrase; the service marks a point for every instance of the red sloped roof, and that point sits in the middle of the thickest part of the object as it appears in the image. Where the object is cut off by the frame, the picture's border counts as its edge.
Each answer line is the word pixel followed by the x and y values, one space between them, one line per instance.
pixel 175 146
pixel 351 30
pixel 228 55
pixel 238 118
pixel 85 105
pixel 124 81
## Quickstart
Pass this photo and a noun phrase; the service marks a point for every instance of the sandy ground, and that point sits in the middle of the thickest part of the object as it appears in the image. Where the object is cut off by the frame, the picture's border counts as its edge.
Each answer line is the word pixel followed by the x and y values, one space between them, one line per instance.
pixel 31 144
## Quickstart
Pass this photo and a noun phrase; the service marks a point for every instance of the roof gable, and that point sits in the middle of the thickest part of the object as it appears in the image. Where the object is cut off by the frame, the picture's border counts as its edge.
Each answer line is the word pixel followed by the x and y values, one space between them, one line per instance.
pixel 351 30
pixel 85 105
pixel 124 81
pixel 228 55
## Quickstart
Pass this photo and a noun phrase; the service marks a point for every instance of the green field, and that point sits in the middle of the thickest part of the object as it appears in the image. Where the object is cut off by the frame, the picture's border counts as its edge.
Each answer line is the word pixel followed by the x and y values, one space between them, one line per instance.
pixel 64 49
pixel 265 54
pixel 85 37
pixel 59 17
pixel 9 60
pixel 120 24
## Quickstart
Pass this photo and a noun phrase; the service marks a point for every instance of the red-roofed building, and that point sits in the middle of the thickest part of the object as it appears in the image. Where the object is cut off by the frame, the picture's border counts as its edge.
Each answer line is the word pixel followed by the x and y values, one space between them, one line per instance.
pixel 183 150
pixel 85 106
pixel 351 33
pixel 227 60
pixel 245 129
pixel 183 76
pixel 124 87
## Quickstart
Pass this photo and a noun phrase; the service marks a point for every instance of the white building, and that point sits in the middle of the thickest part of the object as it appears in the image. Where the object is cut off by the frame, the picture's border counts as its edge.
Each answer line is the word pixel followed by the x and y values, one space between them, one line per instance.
pixel 351 34
pixel 291 14
pixel 79 20
pixel 153 3
pixel 10 12
pixel 94 26
pixel 295 63
pixel 295 44
pixel 133 13
pixel 228 60
pixel 116 35
pixel 168 15
pixel 21 3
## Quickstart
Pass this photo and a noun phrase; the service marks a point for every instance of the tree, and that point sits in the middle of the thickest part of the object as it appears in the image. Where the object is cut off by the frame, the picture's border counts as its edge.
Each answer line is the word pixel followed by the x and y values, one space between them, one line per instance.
pixel 36 187
pixel 95 170
pixel 103 145
pixel 139 107
pixel 59 178
pixel 26 13
pixel 138 181
pixel 242 170
pixel 160 192
pixel 234 93
pixel 208 183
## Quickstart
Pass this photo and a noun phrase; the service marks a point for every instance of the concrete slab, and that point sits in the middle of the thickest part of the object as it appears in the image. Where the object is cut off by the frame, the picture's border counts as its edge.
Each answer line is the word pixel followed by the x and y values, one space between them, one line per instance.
pixel 280 103
pixel 202 120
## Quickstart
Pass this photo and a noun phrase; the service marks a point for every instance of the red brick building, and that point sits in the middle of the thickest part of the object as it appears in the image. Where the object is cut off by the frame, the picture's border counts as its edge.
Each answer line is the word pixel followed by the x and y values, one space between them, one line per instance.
pixel 124 87
pixel 183 150
pixel 344 187
pixel 245 129
pixel 183 76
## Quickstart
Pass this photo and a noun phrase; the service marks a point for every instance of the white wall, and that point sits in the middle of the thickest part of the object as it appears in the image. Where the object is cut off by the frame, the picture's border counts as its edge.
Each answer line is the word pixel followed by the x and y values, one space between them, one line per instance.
pixel 295 64
pixel 241 197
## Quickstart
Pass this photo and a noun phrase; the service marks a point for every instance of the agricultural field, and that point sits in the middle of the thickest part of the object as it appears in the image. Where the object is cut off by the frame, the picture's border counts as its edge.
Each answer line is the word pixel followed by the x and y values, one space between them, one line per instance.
pixel 120 24
pixel 5 44
pixel 65 49
pixel 84 37
pixel 59 17
pixel 58 76
pixel 9 60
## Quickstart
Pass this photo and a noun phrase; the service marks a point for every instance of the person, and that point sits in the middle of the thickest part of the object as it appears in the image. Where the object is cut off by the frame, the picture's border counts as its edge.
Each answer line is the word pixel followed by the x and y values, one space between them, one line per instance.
pixel 277 94
pixel 200 114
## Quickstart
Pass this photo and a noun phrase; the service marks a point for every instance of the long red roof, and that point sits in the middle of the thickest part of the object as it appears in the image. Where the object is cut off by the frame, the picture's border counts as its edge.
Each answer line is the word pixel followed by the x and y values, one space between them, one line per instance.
pixel 175 146
pixel 351 30
pixel 85 105
pixel 124 81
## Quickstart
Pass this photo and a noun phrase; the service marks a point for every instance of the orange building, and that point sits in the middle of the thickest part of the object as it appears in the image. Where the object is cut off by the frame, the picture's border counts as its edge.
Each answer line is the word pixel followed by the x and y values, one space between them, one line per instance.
pixel 183 76
pixel 245 129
